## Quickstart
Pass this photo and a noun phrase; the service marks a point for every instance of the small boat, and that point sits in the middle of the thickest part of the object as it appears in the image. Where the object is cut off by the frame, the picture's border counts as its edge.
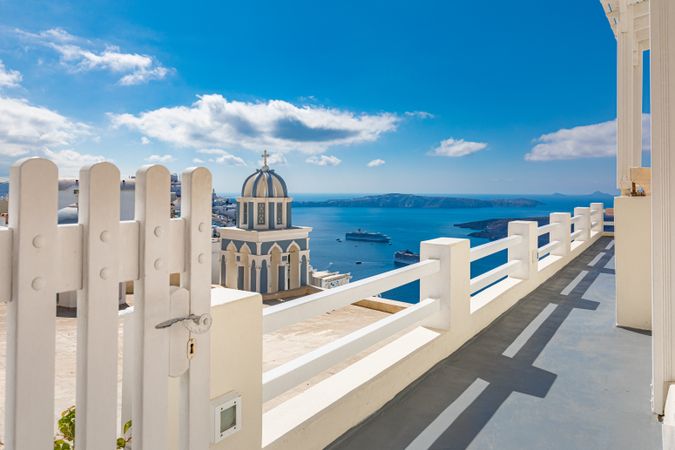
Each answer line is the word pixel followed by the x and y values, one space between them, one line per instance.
pixel 359 262
pixel 405 257
pixel 360 235
pixel 338 239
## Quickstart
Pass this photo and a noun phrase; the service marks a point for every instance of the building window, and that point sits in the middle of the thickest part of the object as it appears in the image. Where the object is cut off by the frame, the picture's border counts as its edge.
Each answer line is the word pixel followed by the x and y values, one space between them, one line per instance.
pixel 244 217
pixel 280 212
pixel 261 214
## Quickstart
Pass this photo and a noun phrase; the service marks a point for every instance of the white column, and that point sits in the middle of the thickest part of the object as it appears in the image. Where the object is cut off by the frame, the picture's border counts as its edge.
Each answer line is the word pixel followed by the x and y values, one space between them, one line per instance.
pixel 662 25
pixel 629 99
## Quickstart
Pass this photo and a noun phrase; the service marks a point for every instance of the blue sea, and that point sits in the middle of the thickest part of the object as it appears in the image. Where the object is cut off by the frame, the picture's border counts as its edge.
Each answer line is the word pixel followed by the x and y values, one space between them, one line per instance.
pixel 407 227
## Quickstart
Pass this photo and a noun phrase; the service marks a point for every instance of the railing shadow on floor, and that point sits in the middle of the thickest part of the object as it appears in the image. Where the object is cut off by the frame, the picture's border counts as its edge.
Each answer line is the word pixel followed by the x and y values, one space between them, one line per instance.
pixel 480 366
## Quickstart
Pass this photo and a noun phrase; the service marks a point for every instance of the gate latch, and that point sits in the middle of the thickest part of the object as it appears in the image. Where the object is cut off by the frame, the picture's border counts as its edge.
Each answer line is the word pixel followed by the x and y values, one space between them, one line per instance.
pixel 194 323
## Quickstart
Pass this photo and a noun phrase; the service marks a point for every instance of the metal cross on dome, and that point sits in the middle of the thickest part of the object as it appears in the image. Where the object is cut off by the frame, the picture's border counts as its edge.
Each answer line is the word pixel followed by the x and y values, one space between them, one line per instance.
pixel 265 155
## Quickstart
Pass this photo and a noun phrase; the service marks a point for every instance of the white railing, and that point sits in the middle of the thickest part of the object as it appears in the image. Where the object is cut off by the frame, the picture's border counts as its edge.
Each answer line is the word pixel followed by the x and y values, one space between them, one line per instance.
pixel 547 249
pixel 282 378
pixel 291 312
pixel 522 235
pixel 39 259
pixel 492 276
pixel 546 229
pixel 481 251
pixel 454 304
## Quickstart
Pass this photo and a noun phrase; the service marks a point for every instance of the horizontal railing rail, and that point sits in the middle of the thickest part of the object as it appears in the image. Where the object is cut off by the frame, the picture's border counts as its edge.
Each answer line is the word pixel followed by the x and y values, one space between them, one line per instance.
pixel 576 234
pixel 291 312
pixel 576 218
pixel 492 276
pixel 481 251
pixel 545 229
pixel 548 248
pixel 280 379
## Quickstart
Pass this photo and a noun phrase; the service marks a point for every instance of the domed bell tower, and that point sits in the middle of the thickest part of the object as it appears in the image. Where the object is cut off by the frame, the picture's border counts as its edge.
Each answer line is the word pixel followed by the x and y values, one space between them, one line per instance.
pixel 264 203
pixel 265 252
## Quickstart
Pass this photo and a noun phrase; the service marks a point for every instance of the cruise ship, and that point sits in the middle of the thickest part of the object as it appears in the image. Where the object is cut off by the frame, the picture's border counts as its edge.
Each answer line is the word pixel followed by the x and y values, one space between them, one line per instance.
pixel 405 257
pixel 360 235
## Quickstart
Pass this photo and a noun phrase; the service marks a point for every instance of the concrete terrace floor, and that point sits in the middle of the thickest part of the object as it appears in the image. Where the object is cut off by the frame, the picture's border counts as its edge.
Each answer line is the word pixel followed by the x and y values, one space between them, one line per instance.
pixel 554 372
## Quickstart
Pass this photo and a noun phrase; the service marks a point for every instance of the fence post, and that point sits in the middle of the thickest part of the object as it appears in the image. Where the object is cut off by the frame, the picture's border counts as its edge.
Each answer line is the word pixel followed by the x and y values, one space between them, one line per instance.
pixel 598 216
pixel 526 250
pixel 561 233
pixel 585 223
pixel 151 306
pixel 31 312
pixel 97 305
pixel 196 211
pixel 450 285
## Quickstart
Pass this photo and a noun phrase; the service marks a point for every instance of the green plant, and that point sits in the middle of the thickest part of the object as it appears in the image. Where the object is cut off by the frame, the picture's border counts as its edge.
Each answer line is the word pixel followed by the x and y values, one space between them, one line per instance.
pixel 66 426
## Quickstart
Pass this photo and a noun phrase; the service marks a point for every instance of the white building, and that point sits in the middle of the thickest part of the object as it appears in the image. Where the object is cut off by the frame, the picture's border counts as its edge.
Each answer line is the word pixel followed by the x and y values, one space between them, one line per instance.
pixel 264 253
pixel 325 279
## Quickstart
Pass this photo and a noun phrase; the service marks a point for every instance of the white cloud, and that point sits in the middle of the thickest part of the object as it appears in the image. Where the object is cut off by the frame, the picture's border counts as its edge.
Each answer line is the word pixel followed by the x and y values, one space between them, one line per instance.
pixel 585 141
pixel 376 162
pixel 82 55
pixel 161 159
pixel 144 140
pixel 419 114
pixel 223 157
pixel 198 161
pixel 70 162
pixel 323 160
pixel 25 128
pixel 9 78
pixel 457 147
pixel 213 121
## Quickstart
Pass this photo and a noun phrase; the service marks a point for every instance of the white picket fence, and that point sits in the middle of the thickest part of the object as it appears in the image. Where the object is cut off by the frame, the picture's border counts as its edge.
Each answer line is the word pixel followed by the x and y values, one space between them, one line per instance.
pixel 39 259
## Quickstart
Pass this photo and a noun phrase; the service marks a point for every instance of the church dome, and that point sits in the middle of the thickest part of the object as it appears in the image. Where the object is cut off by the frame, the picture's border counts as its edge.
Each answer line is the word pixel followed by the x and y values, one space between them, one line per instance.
pixel 264 183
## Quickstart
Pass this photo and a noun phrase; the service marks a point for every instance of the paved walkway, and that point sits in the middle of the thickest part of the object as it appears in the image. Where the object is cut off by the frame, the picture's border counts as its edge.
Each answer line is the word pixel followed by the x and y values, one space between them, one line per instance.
pixel 554 372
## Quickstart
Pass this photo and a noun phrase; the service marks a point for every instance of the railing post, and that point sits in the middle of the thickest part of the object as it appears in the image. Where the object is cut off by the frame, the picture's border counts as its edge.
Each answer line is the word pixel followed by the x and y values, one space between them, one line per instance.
pixel 31 312
pixel 561 233
pixel 97 305
pixel 598 209
pixel 450 285
pixel 526 250
pixel 585 223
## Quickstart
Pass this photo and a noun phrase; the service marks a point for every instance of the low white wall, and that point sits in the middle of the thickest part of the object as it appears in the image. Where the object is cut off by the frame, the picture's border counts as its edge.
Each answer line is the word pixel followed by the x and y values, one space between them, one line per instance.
pixel 318 416
pixel 236 360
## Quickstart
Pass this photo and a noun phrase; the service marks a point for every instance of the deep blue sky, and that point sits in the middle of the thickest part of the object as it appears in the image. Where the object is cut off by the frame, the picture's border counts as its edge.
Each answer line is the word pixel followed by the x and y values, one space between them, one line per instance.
pixel 497 75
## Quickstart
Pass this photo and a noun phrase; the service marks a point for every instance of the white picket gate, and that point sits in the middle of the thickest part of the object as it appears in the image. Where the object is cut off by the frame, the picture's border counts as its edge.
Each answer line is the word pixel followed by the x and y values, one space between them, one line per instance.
pixel 39 259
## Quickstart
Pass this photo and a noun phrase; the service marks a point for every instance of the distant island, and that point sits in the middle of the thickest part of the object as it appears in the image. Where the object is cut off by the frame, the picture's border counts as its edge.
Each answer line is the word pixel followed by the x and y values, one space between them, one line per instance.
pixel 418 201
pixel 493 229
pixel 595 194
